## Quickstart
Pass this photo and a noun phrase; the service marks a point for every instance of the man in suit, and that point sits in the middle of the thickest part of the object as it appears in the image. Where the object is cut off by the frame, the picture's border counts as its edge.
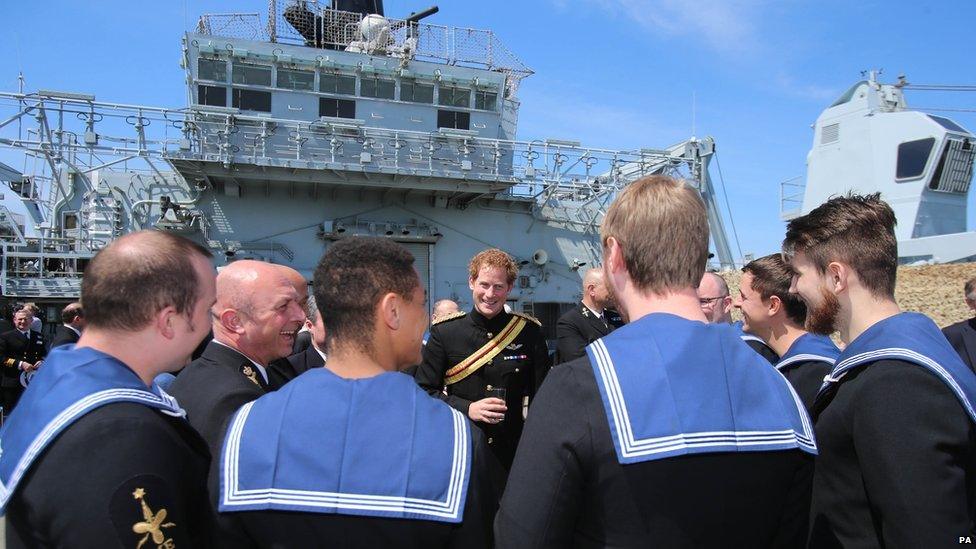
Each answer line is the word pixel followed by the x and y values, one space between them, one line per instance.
pixel 22 351
pixel 72 323
pixel 314 355
pixel 962 335
pixel 256 317
pixel 586 322
pixel 670 432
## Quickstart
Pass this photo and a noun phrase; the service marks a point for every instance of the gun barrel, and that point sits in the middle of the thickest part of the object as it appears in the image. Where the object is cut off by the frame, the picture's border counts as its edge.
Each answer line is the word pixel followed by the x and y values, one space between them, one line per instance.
pixel 417 16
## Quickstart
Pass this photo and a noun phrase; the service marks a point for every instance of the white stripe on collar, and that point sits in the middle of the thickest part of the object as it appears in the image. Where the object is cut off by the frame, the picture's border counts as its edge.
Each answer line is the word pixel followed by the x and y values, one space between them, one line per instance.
pixel 632 447
pixel 801 358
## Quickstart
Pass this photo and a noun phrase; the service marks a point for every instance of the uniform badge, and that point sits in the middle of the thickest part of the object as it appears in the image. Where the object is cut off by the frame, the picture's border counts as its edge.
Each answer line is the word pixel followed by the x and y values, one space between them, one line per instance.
pixel 586 311
pixel 152 523
pixel 249 373
pixel 514 346
pixel 138 523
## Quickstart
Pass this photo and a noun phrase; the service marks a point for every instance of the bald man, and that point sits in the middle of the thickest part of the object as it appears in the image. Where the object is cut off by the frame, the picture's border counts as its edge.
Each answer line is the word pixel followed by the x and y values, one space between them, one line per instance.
pixel 280 370
pixel 255 319
pixel 588 321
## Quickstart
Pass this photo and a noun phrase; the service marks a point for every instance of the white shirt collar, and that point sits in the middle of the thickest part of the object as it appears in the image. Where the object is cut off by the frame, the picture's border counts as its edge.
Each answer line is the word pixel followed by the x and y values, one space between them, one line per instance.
pixel 264 373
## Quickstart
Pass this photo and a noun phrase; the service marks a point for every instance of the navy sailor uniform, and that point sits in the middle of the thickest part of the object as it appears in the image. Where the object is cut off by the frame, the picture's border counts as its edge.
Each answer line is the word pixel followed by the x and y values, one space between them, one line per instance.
pixel 756 344
pixel 670 432
pixel 372 462
pixel 92 457
pixel 895 423
pixel 805 364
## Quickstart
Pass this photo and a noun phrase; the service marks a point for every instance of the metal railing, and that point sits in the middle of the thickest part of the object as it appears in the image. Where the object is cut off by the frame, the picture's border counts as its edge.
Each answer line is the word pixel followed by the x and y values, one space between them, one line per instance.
pixel 791 197
pixel 305 22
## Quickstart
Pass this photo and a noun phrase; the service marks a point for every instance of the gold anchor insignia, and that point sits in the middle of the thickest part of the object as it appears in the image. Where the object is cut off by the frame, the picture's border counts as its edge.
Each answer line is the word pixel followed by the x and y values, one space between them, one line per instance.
pixel 152 523
pixel 250 374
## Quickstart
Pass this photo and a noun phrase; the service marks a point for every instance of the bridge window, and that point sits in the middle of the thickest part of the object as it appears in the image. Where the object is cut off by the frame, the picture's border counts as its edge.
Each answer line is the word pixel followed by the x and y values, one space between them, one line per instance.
pixel 453 119
pixel 485 100
pixel 254 75
pixel 251 100
pixel 415 92
pixel 337 83
pixel 454 97
pixel 215 96
pixel 337 108
pixel 913 156
pixel 212 69
pixel 296 80
pixel 376 87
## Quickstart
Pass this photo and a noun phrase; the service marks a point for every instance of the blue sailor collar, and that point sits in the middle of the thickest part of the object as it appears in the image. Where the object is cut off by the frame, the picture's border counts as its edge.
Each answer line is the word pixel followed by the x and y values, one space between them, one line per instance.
pixel 809 347
pixel 71 383
pixel 914 338
pixel 744 335
pixel 672 386
pixel 378 446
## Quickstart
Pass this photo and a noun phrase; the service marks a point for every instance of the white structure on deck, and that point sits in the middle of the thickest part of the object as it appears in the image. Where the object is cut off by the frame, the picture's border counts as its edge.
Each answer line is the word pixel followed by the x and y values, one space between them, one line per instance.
pixel 869 141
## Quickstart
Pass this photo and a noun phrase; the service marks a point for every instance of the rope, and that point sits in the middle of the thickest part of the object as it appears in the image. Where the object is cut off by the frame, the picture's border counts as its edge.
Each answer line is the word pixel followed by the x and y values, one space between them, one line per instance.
pixel 728 207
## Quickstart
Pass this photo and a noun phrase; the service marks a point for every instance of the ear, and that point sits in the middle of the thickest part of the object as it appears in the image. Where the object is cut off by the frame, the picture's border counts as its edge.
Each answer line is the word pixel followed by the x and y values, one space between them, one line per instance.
pixel 389 312
pixel 838 277
pixel 308 324
pixel 471 283
pixel 165 321
pixel 774 306
pixel 614 256
pixel 231 321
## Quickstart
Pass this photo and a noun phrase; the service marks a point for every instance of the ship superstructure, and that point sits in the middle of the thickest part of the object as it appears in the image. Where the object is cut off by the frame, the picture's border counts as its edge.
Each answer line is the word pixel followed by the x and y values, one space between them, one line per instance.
pixel 312 124
pixel 869 141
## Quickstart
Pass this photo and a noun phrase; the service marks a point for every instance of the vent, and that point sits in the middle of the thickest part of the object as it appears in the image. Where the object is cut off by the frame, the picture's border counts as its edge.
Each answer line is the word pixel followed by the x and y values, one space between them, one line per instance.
pixel 830 134
pixel 955 169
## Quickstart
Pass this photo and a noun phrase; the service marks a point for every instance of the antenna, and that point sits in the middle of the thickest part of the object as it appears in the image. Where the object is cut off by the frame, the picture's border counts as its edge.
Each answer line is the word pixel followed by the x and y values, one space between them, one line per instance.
pixel 694 102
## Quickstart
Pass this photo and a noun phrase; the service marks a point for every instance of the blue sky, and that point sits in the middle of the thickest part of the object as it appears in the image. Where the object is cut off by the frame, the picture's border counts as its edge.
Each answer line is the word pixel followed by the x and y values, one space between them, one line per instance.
pixel 609 73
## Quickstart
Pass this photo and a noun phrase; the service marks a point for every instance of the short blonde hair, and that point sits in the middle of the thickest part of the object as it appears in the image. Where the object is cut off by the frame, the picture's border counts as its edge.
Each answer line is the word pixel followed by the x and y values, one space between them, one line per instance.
pixel 493 257
pixel 661 226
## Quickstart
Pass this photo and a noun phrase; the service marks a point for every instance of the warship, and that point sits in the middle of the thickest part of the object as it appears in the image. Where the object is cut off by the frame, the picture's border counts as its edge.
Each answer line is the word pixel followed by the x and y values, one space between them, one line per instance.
pixel 311 123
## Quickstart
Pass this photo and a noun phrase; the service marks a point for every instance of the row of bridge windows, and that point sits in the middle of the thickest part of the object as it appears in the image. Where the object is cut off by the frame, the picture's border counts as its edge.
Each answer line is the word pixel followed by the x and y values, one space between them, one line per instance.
pixel 410 90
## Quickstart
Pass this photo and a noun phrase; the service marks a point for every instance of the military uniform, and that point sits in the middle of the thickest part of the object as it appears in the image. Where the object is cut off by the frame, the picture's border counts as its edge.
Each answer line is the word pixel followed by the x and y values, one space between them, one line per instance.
pixel 756 344
pixel 805 364
pixel 896 426
pixel 15 347
pixel 213 387
pixel 670 433
pixel 962 337
pixel 392 468
pixel 579 327
pixel 458 356
pixel 120 467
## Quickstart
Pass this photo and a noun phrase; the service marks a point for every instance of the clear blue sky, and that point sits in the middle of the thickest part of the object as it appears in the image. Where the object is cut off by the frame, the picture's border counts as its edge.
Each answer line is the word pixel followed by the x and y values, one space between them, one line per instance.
pixel 609 73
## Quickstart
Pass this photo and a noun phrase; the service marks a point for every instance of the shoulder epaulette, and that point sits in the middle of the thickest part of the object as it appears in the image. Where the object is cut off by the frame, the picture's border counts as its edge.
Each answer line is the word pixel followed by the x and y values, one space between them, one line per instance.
pixel 451 316
pixel 528 317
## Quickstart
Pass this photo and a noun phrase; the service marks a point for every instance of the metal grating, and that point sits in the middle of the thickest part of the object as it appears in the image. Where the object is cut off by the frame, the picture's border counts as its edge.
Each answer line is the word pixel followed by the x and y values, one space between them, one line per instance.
pixel 955 171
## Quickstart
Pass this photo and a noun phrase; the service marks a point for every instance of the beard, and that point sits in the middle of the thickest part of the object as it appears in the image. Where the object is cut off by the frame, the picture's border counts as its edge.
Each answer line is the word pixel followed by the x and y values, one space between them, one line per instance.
pixel 822 319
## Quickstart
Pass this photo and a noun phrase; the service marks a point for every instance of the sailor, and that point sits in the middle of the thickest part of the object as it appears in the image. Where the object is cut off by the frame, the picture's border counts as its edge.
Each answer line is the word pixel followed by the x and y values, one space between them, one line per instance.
pixel 255 319
pixel 895 418
pixel 97 455
pixel 360 456
pixel 716 303
pixel 962 335
pixel 777 316
pixel 670 432
pixel 587 322
pixel 487 363
pixel 22 351
pixel 72 323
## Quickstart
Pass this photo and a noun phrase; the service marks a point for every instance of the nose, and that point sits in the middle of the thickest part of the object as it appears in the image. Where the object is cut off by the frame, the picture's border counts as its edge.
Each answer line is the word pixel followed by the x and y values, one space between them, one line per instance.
pixel 737 302
pixel 793 284
pixel 296 311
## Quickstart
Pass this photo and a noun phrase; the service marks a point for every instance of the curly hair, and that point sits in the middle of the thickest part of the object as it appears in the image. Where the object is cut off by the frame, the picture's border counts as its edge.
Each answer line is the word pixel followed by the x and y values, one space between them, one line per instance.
pixel 493 257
